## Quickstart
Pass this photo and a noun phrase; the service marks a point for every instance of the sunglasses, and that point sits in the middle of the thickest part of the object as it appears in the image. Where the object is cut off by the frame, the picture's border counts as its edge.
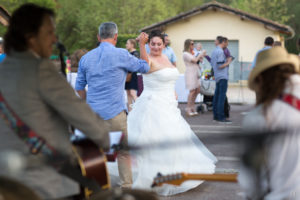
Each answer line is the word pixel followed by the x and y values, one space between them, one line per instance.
pixel 192 43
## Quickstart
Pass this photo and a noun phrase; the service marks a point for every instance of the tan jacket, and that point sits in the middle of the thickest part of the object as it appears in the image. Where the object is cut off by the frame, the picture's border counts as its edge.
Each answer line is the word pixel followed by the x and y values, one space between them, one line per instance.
pixel 43 99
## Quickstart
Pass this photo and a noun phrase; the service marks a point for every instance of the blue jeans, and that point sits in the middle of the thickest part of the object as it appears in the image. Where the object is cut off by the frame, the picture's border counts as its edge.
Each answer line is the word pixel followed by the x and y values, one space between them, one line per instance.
pixel 219 99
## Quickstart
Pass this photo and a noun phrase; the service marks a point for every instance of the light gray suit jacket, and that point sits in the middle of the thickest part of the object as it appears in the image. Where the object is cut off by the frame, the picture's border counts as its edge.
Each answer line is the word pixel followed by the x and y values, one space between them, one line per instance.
pixel 43 99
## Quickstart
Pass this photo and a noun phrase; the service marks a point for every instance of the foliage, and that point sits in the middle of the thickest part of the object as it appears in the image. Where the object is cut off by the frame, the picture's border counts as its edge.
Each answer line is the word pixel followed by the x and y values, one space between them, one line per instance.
pixel 294 22
pixel 78 20
pixel 291 45
pixel 282 11
pixel 183 6
pixel 122 39
pixel 275 10
pixel 83 21
pixel 11 5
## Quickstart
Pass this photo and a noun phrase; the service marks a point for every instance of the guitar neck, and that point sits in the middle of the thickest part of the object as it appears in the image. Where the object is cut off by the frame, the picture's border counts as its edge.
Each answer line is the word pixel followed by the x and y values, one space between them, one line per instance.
pixel 212 177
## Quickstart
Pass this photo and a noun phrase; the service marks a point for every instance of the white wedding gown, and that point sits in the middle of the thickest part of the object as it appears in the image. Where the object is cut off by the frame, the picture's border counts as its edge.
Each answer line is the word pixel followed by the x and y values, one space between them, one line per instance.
pixel 156 119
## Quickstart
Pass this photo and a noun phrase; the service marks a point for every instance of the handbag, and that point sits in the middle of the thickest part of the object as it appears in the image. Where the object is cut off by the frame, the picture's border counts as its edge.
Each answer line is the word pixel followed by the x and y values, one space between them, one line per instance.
pixel 207 87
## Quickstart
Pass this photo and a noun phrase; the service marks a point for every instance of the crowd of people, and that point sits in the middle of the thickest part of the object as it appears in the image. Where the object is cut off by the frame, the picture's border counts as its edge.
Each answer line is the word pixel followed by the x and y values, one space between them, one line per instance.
pixel 38 108
pixel 220 60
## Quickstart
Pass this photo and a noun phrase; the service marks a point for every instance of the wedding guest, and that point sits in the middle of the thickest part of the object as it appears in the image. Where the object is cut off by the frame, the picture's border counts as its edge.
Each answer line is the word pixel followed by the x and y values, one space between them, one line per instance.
pixel 75 58
pixel 220 66
pixel 276 81
pixel 168 51
pixel 131 85
pixel 104 70
pixel 45 102
pixel 191 75
pixel 156 119
pixel 269 42
pixel 2 54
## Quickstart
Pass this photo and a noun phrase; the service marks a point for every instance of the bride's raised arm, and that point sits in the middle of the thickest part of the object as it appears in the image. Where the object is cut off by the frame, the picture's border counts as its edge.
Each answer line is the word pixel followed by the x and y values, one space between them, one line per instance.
pixel 143 39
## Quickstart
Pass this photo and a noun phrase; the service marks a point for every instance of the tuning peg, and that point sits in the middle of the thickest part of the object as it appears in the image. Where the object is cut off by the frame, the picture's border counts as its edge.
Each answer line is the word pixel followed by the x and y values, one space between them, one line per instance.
pixel 159 174
pixel 153 185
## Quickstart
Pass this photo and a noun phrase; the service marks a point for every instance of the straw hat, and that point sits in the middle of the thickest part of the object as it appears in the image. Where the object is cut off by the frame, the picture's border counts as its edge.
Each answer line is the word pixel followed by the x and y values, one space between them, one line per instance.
pixel 271 58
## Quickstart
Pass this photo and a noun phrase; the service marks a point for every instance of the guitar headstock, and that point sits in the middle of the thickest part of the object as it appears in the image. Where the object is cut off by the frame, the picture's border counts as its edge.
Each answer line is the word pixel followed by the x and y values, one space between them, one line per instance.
pixel 173 179
pixel 177 179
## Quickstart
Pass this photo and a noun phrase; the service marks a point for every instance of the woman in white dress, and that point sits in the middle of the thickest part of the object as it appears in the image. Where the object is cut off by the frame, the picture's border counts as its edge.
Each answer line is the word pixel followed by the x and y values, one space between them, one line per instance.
pixel 155 118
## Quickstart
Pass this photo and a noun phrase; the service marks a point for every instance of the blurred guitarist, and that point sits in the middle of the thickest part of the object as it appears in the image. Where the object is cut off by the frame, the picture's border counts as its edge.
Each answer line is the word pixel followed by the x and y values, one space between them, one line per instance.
pixel 43 101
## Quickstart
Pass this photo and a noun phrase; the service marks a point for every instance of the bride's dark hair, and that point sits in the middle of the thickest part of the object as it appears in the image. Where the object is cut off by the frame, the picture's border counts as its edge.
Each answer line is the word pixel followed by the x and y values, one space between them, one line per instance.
pixel 156 33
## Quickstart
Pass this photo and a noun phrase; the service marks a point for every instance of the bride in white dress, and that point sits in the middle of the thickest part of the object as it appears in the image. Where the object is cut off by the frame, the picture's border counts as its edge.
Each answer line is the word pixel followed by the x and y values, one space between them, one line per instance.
pixel 156 119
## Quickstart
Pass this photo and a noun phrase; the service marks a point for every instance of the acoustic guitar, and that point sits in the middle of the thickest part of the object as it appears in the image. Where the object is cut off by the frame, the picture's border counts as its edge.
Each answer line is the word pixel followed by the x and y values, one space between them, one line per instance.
pixel 92 162
pixel 179 178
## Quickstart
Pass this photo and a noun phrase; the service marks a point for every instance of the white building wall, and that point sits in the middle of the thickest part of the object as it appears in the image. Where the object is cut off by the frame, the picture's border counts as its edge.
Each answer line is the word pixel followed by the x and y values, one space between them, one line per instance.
pixel 209 24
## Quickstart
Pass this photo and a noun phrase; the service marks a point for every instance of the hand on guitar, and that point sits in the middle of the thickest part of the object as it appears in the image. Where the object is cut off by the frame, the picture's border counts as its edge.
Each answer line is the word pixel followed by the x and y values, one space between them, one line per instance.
pixel 92 159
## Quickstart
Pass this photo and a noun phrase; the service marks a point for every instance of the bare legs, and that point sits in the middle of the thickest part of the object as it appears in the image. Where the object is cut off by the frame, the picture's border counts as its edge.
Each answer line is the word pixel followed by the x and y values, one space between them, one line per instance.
pixel 190 110
pixel 131 97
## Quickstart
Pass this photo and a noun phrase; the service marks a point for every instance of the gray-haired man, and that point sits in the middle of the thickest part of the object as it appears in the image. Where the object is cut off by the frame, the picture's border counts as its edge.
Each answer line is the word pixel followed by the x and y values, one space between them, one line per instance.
pixel 104 70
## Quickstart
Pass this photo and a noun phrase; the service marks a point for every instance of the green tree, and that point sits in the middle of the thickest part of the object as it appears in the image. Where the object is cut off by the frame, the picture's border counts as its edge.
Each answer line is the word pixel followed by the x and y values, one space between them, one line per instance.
pixel 183 6
pixel 283 11
pixel 69 20
pixel 275 10
pixel 77 26
pixel 294 8
pixel 11 5
pixel 78 20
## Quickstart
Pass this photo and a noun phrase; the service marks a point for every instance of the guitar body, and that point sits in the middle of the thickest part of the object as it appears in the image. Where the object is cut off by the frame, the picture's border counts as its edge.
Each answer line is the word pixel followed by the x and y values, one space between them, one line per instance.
pixel 92 162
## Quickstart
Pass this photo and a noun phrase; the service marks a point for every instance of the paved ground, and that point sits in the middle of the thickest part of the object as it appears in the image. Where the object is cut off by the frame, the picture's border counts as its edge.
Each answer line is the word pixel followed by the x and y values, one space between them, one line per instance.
pixel 227 153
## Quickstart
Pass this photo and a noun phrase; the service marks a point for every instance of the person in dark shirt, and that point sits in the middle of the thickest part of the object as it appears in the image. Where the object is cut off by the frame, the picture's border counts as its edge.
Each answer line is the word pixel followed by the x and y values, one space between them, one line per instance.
pixel 131 85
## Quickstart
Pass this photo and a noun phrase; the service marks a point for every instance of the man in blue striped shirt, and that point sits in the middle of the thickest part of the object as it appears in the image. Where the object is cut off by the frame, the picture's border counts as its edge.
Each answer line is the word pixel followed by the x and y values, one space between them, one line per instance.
pixel 104 70
pixel 221 66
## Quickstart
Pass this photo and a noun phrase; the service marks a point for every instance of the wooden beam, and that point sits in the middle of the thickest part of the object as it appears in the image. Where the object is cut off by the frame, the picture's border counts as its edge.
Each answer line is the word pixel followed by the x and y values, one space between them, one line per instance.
pixel 4 16
pixel 3 21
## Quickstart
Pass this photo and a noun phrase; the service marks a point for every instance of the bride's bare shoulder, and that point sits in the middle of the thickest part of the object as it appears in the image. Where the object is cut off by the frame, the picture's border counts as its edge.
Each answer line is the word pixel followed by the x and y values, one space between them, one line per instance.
pixel 154 66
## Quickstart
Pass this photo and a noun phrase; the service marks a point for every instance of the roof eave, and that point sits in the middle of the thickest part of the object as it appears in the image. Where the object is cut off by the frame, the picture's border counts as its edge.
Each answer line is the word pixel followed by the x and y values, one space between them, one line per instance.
pixel 218 6
pixel 4 16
